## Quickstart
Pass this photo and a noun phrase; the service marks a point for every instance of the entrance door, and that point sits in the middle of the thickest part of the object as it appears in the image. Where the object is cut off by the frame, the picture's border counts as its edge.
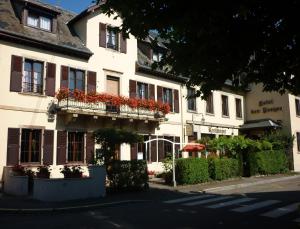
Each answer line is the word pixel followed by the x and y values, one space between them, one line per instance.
pixel 112 88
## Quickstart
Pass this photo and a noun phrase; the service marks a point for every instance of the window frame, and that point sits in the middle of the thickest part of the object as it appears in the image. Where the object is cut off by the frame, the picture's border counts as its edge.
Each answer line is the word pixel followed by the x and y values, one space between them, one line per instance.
pixel 146 86
pixel 40 146
pixel 298 141
pixel 194 99
pixel 109 31
pixel 210 99
pixel 40 91
pixel 236 108
pixel 297 107
pixel 164 89
pixel 76 70
pixel 227 106
pixel 73 154
pixel 32 13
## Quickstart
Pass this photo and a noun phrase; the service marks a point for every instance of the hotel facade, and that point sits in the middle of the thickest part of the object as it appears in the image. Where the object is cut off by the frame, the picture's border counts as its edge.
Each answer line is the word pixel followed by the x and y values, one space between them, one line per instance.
pixel 44 48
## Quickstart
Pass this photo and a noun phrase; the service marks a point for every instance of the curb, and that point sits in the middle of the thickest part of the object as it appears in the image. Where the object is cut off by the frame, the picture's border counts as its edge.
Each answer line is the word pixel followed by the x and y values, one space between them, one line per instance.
pixel 71 208
pixel 235 186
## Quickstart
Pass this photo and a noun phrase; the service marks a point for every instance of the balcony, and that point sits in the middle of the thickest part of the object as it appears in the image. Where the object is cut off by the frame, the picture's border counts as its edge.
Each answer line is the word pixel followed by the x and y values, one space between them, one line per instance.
pixel 110 106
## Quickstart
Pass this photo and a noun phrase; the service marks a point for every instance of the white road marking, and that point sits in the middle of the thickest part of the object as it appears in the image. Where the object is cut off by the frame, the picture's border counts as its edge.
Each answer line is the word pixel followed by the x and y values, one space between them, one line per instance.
pixel 208 201
pixel 255 206
pixel 230 203
pixel 180 200
pixel 282 211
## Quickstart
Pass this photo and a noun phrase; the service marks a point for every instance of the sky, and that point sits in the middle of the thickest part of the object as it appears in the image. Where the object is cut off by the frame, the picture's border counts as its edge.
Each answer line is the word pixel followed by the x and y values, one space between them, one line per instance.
pixel 73 5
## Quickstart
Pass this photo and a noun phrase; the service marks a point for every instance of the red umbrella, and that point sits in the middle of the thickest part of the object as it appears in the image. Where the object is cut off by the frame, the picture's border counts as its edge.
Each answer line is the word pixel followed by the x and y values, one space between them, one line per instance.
pixel 193 147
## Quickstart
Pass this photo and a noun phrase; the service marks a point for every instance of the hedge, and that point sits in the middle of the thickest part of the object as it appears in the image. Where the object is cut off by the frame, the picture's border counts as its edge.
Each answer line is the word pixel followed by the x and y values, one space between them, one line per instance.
pixel 127 175
pixel 223 168
pixel 268 162
pixel 191 170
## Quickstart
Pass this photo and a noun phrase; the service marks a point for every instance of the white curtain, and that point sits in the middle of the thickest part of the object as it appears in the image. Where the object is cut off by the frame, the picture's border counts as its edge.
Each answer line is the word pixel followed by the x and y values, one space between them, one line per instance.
pixel 45 23
pixel 32 21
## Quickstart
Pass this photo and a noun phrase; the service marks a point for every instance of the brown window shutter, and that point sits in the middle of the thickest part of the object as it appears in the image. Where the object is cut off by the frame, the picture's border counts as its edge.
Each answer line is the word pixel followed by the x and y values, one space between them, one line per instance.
pixel 159 94
pixel 161 151
pixel 16 73
pixel 50 79
pixel 102 35
pixel 151 91
pixel 132 89
pixel 133 151
pixel 48 147
pixel 123 44
pixel 13 138
pixel 176 101
pixel 90 148
pixel 64 82
pixel 91 81
pixel 153 149
pixel 61 148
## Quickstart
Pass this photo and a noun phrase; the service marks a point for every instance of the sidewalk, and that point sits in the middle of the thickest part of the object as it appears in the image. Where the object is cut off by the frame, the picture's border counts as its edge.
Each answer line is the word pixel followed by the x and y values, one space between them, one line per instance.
pixel 157 191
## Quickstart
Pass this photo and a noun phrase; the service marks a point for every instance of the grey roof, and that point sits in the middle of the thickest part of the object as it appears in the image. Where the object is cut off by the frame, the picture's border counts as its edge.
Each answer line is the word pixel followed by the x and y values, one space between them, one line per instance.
pixel 259 124
pixel 10 23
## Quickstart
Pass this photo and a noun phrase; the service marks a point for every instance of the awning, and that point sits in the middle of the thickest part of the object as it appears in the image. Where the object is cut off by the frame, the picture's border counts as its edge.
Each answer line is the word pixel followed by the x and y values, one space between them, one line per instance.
pixel 260 124
pixel 195 147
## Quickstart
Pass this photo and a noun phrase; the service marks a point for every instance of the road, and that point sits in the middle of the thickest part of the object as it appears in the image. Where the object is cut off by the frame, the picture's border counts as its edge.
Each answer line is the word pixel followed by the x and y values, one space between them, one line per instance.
pixel 267 205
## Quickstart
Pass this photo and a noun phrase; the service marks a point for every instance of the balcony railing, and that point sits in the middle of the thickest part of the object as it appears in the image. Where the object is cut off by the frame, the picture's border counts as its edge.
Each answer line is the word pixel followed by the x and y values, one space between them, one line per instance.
pixel 107 109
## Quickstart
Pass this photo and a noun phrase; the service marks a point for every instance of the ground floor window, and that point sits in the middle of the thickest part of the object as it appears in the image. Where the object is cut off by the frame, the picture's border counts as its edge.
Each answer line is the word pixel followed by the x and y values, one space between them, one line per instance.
pixel 30 145
pixel 75 146
pixel 298 141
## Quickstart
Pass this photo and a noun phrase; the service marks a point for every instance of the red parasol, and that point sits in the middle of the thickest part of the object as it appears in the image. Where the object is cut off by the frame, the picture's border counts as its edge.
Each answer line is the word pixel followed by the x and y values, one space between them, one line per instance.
pixel 193 147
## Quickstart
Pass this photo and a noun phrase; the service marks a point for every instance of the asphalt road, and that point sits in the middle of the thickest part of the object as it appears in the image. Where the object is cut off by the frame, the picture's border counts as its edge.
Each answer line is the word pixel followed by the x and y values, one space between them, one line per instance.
pixel 263 206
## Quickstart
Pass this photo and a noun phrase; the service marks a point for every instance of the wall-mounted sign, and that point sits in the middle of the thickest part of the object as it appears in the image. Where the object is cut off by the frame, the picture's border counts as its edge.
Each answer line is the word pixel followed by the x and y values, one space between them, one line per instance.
pixel 189 130
pixel 216 130
pixel 263 109
pixel 140 156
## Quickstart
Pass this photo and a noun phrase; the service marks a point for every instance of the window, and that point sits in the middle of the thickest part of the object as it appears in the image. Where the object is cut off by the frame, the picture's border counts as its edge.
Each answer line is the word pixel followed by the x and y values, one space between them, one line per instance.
pixel 225 111
pixel 191 100
pixel 33 77
pixel 30 145
pixel 156 56
pixel 142 90
pixel 75 146
pixel 297 102
pixel 210 104
pixel 76 79
pixel 298 141
pixel 238 108
pixel 168 97
pixel 112 39
pixel 38 21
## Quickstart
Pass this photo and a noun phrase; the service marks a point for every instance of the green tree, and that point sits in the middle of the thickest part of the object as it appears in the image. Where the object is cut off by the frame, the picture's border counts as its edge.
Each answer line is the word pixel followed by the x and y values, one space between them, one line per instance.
pixel 209 42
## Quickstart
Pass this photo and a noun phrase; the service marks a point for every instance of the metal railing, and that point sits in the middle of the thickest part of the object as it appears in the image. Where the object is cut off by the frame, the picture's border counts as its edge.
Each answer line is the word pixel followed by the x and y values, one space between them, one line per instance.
pixel 107 108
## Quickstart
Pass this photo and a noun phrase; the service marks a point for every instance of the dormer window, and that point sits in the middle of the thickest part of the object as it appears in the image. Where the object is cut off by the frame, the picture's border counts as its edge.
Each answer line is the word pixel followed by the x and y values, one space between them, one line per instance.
pixel 39 21
pixel 157 56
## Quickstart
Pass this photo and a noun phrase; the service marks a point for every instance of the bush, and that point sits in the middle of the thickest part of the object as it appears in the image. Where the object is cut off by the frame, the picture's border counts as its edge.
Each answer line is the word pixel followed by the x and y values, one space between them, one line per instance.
pixel 223 168
pixel 71 171
pixel 191 170
pixel 268 162
pixel 127 175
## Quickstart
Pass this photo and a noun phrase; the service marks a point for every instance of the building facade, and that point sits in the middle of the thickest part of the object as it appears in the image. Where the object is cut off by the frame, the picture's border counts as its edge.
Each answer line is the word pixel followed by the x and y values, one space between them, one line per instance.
pixel 44 49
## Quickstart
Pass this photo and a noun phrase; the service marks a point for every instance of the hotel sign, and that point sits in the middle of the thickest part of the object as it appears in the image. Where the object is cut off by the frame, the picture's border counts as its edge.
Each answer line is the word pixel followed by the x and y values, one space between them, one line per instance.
pixel 216 130
pixel 264 109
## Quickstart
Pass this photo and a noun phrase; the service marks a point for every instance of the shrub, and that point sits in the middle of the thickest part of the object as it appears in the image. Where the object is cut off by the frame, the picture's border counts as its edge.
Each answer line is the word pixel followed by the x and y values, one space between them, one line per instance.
pixel 43 172
pixel 268 162
pixel 223 168
pixel 72 172
pixel 191 170
pixel 127 175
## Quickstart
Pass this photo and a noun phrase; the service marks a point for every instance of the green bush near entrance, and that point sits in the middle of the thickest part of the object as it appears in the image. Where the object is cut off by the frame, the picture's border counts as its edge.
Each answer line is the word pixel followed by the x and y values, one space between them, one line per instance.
pixel 223 168
pixel 191 170
pixel 127 175
pixel 268 162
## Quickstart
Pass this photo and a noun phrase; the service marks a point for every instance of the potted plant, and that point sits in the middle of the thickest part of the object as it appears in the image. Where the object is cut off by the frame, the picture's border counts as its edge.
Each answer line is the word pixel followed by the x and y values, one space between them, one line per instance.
pixel 18 170
pixel 43 172
pixel 72 172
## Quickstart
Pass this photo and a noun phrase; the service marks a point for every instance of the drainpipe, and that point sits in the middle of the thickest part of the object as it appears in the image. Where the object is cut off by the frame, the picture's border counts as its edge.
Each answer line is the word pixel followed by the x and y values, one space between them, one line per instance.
pixel 181 114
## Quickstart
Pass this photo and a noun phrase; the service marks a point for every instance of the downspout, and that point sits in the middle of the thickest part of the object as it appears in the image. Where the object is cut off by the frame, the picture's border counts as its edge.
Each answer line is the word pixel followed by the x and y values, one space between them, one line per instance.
pixel 181 113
